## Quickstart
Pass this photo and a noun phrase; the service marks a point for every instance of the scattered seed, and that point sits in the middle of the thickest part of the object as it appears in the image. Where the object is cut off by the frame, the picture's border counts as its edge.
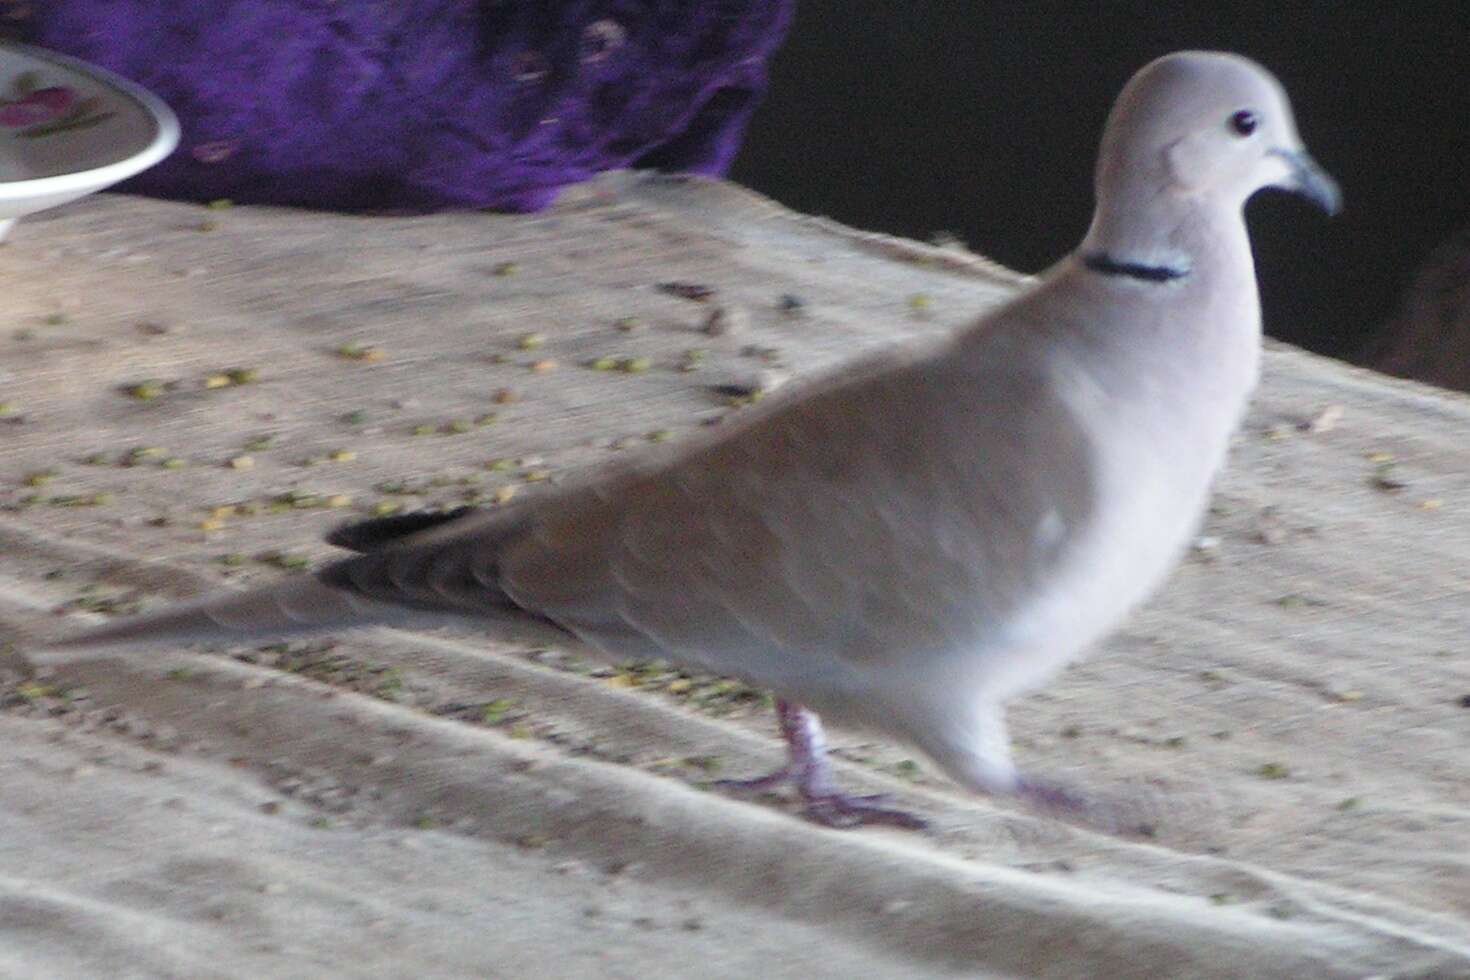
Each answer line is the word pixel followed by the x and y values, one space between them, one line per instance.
pixel 360 352
pixel 536 476
pixel 628 324
pixel 173 463
pixel 726 320
pixel 342 455
pixel 504 396
pixel 145 391
pixel 284 560
pixel 603 364
pixel 1296 601
pixel 531 341
pixel 217 381
pixel 220 204
pixel 55 319
pixel 503 495
pixel 240 462
pixel 634 365
pixel 259 443
pixel 384 508
pixel 423 430
pixel 1351 803
pixel 211 524
pixel 506 269
pixel 243 376
pixel 337 500
pixel 40 478
pixel 660 435
pixel 544 365
pixel 1273 770
pixel 494 712
pixel 918 302
pixel 687 290
pixel 500 465
pixel 357 417
pixel 1384 479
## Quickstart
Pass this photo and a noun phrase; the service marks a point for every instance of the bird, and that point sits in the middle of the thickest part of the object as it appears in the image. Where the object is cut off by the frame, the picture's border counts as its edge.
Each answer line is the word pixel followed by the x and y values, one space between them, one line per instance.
pixel 906 544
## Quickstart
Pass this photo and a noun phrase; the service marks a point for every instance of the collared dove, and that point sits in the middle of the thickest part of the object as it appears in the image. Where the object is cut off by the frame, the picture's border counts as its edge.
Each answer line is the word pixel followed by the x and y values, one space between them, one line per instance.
pixel 907 545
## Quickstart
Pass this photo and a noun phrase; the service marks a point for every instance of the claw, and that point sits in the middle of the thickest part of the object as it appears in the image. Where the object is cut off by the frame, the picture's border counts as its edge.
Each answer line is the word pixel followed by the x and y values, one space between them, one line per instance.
pixel 837 810
pixel 811 773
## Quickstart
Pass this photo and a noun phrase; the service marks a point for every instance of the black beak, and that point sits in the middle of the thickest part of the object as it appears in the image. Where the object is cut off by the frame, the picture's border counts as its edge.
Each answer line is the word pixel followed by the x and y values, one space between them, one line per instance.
pixel 1310 181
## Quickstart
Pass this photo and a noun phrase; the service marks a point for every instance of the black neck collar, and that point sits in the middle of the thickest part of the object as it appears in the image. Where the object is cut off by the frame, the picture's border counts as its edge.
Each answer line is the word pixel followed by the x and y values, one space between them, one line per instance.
pixel 1104 264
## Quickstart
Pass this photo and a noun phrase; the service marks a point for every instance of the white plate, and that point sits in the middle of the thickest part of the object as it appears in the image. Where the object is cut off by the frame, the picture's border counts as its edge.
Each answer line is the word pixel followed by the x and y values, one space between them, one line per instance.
pixel 68 129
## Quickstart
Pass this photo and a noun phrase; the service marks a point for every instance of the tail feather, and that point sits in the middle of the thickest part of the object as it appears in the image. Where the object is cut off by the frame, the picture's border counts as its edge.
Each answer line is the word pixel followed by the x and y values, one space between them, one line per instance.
pixel 383 532
pixel 302 604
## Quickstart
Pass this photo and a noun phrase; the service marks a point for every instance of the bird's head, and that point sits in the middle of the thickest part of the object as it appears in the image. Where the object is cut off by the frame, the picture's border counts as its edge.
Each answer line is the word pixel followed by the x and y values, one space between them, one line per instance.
pixel 1206 125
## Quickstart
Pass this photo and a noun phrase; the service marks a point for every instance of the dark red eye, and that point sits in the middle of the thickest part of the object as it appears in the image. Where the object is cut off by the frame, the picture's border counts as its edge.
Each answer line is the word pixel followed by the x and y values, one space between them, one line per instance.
pixel 1244 122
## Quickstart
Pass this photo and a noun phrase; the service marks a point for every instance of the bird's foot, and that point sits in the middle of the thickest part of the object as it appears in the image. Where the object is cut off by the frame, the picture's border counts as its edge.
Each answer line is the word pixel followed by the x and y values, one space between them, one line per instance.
pixel 811 773
pixel 760 784
pixel 1051 797
pixel 833 809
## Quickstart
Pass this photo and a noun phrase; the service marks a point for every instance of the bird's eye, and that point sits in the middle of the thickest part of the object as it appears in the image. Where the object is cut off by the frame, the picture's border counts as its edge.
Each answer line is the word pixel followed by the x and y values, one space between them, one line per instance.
pixel 1244 122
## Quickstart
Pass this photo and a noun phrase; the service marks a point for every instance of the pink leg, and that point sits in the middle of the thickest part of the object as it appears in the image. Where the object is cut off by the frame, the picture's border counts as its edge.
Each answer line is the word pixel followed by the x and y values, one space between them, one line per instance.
pixel 810 771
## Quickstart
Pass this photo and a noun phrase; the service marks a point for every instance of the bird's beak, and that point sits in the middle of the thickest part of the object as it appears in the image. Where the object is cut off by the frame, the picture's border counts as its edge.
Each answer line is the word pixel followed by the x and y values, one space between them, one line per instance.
pixel 1307 178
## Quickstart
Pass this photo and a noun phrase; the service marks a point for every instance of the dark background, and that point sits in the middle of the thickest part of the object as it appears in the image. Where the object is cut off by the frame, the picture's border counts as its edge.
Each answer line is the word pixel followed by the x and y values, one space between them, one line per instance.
pixel 983 119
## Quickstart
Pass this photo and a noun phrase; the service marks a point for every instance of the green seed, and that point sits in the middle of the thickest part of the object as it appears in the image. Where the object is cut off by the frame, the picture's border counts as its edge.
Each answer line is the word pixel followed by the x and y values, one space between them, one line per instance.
pixel 459 427
pixel 1273 770
pixel 145 391
pixel 242 376
pixel 660 435
pixel 919 301
pixel 489 418
pixel 220 204
pixel 355 418
pixel 55 319
pixel 40 478
pixel 493 712
pixel 628 324
pixel 634 365
pixel 423 430
pixel 173 463
pixel 258 443
pixel 603 364
pixel 506 269
pixel 384 508
pixel 500 465
pixel 531 341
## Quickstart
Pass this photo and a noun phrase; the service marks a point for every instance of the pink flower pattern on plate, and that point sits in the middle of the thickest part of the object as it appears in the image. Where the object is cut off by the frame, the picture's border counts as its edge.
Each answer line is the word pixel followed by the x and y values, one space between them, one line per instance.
pixel 35 111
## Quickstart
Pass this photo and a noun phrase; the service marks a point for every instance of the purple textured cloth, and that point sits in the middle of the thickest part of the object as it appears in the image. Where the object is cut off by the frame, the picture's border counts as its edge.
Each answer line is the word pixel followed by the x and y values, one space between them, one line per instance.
pixel 426 104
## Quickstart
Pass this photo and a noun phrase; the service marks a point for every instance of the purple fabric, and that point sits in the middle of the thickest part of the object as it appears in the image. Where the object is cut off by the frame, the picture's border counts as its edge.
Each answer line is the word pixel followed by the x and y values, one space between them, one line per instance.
pixel 427 104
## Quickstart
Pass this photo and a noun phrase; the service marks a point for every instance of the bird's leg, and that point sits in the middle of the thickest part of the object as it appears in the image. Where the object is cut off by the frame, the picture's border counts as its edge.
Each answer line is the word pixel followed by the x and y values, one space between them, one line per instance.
pixel 811 772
